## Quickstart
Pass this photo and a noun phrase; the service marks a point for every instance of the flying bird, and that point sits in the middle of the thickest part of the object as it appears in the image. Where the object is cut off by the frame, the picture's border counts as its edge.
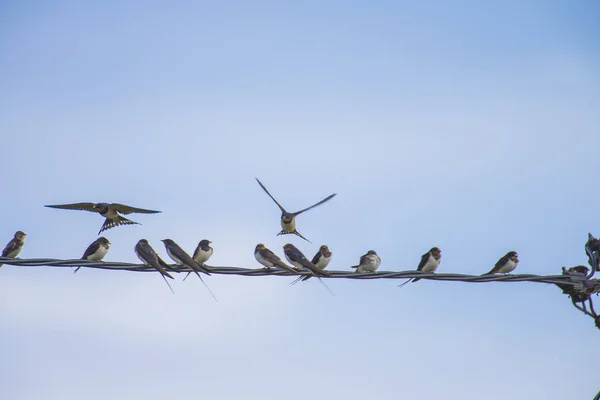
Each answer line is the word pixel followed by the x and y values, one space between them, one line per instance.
pixel 96 251
pixel 320 260
pixel 13 248
pixel 149 257
pixel 506 264
pixel 178 255
pixel 368 262
pixel 429 263
pixel 288 220
pixel 110 211
pixel 269 259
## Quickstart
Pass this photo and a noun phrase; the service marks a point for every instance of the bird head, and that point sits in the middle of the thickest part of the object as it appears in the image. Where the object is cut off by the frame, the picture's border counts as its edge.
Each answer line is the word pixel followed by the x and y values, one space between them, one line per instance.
pixel 372 252
pixel 104 241
pixel 513 256
pixel 20 235
pixel 325 250
pixel 436 253
pixel 259 247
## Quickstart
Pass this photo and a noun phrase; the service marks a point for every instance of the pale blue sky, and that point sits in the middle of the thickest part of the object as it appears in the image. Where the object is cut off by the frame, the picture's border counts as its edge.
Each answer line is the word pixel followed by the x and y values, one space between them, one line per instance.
pixel 468 125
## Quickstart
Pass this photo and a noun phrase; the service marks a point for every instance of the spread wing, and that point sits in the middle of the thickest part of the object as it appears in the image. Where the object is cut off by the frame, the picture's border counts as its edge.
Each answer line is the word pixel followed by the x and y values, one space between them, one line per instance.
pixel 317 204
pixel 92 248
pixel 10 247
pixel 124 209
pixel 74 206
pixel 424 259
pixel 273 198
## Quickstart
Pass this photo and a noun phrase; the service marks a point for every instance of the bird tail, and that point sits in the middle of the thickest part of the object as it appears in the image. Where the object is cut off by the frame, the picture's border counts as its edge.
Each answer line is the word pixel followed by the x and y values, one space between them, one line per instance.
pixel 109 223
pixel 408 280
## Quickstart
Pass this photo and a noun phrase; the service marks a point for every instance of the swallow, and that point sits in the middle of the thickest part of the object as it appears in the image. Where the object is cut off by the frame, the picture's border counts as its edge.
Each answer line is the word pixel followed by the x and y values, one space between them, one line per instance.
pixel 149 257
pixel 429 263
pixel 13 248
pixel 506 264
pixel 288 220
pixel 202 254
pixel 110 211
pixel 269 259
pixel 178 255
pixel 368 262
pixel 95 251
pixel 298 260
pixel 320 260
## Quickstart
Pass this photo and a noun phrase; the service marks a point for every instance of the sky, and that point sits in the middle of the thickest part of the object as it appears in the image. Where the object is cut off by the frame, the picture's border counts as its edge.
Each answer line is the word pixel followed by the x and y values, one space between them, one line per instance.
pixel 467 125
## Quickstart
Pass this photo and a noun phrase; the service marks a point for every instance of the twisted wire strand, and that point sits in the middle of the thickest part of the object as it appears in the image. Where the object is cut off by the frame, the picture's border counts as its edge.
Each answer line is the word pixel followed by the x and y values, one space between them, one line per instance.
pixel 579 282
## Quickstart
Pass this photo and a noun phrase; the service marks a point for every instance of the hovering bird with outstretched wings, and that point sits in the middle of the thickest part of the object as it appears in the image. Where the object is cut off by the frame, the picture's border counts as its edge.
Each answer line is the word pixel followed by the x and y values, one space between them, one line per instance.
pixel 110 211
pixel 288 219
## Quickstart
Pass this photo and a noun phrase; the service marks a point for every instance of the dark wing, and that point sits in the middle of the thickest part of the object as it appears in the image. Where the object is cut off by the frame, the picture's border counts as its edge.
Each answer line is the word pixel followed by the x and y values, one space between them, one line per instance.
pixel 123 209
pixel 316 257
pixel 187 260
pixel 314 205
pixel 92 248
pixel 273 198
pixel 269 255
pixel 299 257
pixel 109 223
pixel 10 247
pixel 363 259
pixel 499 264
pixel 424 259
pixel 74 206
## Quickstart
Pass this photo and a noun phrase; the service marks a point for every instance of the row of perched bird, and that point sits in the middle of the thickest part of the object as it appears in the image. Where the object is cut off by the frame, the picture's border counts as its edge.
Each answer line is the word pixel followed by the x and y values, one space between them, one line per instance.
pixel 369 262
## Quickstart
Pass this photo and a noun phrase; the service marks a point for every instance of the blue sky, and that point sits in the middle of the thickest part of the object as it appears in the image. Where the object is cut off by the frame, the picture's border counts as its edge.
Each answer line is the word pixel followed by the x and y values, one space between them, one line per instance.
pixel 472 126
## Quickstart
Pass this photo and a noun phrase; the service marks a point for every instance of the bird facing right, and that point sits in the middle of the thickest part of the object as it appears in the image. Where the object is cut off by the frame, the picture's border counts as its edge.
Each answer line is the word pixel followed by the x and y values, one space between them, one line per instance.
pixel 368 262
pixel 505 264
pixel 95 251
pixel 13 248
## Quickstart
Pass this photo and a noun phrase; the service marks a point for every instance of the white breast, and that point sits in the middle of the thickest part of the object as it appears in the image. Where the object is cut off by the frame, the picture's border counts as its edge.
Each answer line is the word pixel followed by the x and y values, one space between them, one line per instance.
pixel 295 264
pixel 262 260
pixel 323 262
pixel 431 264
pixel 508 267
pixel 99 254
pixel 370 264
pixel 203 256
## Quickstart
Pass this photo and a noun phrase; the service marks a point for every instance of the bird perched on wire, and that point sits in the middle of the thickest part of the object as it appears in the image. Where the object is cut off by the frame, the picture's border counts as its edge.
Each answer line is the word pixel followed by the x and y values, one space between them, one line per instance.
pixel 95 251
pixel 506 264
pixel 179 255
pixel 13 248
pixel 110 211
pixel 429 263
pixel 202 254
pixel 298 260
pixel 368 262
pixel 320 260
pixel 288 220
pixel 269 259
pixel 148 256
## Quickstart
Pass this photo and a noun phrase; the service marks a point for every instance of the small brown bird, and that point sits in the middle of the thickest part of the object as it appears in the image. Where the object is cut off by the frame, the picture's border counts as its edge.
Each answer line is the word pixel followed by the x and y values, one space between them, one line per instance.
pixel 429 263
pixel 13 248
pixel 505 264
pixel 320 260
pixel 96 251
pixel 368 262
pixel 269 259
pixel 110 211
pixel 148 256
